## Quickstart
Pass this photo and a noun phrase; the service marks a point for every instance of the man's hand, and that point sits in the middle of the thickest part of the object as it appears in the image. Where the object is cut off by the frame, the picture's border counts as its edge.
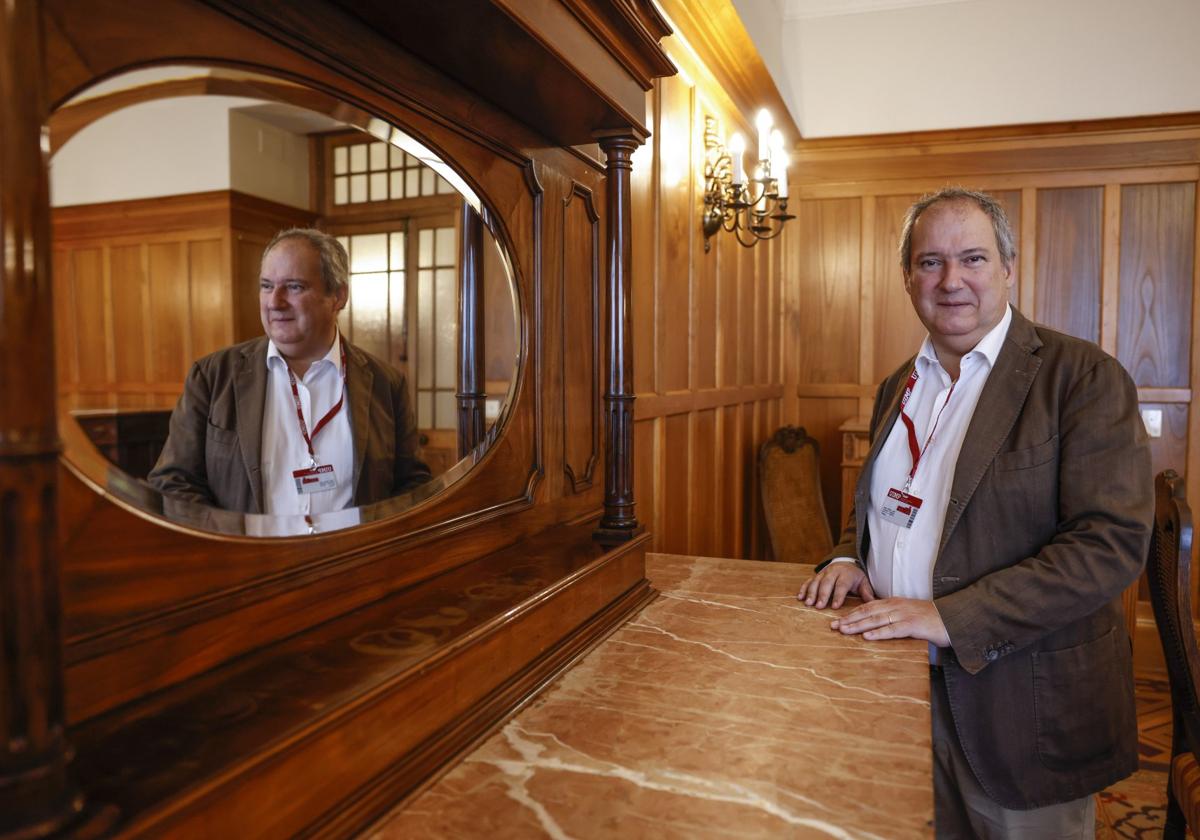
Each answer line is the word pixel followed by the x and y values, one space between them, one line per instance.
pixel 835 581
pixel 895 618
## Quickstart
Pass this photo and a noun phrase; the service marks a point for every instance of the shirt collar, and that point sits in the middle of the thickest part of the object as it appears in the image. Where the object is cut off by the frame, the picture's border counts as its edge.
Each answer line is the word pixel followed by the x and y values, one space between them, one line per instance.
pixel 334 356
pixel 988 346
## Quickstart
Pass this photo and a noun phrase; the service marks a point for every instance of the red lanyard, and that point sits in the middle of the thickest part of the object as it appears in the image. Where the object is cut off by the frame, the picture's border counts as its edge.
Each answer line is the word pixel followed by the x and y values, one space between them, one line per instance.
pixel 915 450
pixel 328 416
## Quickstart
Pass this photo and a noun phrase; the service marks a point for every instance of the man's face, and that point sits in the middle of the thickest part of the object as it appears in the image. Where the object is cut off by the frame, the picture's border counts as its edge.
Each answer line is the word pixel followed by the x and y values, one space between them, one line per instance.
pixel 297 313
pixel 957 281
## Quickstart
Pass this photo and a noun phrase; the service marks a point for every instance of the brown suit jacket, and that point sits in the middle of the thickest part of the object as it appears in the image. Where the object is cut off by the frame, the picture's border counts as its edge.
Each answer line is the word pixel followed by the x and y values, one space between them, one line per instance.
pixel 214 448
pixel 1048 521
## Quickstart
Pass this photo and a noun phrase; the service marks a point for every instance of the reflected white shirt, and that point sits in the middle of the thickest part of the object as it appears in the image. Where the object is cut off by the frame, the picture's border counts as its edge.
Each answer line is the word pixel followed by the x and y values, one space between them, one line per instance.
pixel 283 447
pixel 899 560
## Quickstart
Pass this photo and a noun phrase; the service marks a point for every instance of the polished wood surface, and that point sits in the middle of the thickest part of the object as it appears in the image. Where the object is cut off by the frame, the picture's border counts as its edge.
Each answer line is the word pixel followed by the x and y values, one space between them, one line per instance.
pixel 36 796
pixel 724 709
pixel 472 348
pixel 156 615
pixel 376 698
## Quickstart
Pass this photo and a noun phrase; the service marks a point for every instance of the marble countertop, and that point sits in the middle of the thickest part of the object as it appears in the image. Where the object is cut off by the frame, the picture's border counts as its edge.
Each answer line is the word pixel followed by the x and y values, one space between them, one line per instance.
pixel 725 709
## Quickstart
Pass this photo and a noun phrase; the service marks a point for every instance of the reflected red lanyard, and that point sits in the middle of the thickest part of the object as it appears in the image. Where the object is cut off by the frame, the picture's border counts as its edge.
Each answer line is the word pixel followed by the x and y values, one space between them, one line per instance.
pixel 308 439
pixel 915 450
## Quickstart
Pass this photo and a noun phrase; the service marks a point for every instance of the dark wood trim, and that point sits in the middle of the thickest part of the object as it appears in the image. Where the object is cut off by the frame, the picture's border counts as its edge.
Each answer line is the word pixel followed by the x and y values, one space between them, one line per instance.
pixel 471 394
pixel 619 521
pixel 583 478
pixel 36 794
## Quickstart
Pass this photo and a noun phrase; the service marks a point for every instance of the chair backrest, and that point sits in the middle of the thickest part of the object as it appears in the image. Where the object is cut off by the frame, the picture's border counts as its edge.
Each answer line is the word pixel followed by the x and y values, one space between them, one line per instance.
pixel 789 474
pixel 1169 570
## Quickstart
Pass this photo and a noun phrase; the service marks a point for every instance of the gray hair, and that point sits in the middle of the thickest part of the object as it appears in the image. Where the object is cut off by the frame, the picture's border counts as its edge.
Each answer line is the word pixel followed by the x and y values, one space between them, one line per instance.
pixel 335 264
pixel 1005 242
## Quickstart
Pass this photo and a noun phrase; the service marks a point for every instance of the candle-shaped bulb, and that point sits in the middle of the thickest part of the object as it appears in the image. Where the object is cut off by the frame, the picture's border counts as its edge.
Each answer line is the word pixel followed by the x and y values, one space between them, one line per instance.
pixel 776 146
pixel 737 148
pixel 782 162
pixel 764 124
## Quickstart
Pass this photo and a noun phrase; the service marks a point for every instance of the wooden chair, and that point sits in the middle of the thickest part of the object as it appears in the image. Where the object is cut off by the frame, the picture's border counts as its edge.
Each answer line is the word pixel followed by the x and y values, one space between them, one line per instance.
pixel 1169 569
pixel 790 480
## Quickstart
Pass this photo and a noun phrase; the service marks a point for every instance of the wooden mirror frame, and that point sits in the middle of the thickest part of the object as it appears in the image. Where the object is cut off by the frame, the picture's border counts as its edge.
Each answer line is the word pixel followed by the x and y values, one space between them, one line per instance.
pixel 140 608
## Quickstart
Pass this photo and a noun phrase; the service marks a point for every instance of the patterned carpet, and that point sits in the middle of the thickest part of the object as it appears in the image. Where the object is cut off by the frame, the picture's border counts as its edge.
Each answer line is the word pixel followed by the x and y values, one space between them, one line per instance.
pixel 1137 806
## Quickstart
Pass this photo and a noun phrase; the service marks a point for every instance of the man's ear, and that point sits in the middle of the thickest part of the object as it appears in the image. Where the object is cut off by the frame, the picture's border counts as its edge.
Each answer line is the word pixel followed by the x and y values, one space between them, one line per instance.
pixel 907 280
pixel 341 298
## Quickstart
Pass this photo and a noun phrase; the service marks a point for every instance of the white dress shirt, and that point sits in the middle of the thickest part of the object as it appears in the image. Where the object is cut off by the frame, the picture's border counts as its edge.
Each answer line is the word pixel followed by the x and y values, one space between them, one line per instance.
pixel 283 446
pixel 900 560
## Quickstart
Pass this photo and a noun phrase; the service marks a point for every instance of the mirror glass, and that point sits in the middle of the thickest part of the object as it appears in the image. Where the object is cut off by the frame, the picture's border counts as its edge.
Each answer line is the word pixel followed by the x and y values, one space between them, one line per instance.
pixel 166 186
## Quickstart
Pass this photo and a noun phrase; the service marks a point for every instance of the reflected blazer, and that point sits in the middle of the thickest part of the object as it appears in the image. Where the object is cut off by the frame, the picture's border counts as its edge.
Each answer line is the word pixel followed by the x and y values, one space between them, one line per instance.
pixel 213 450
pixel 1049 520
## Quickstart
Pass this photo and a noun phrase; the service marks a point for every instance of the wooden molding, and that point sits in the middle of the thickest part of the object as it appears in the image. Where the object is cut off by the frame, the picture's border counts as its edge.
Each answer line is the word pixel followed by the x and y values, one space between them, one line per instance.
pixel 216 209
pixel 713 30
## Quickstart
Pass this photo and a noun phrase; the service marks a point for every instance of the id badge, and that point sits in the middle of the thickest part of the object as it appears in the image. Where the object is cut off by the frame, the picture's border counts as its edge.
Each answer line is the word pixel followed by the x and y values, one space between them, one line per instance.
pixel 900 508
pixel 314 479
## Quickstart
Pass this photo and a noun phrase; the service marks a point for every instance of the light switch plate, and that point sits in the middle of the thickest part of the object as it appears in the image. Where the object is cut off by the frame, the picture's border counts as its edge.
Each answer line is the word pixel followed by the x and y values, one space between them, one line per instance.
pixel 1152 417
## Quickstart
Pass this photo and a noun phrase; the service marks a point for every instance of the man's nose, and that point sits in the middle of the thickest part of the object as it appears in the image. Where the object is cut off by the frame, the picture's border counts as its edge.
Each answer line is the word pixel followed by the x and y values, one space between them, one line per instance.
pixel 951 276
pixel 277 297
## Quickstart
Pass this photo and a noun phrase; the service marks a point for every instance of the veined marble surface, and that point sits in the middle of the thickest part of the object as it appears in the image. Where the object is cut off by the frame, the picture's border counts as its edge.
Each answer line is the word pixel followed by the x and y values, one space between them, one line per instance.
pixel 725 709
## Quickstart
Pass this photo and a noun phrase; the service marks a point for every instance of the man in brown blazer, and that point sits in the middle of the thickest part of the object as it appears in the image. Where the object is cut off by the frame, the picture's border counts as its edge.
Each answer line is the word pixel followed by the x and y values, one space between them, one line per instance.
pixel 1005 504
pixel 236 419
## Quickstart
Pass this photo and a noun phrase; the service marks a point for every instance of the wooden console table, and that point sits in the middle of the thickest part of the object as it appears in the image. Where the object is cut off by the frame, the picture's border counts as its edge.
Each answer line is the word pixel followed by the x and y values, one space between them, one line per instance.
pixel 725 708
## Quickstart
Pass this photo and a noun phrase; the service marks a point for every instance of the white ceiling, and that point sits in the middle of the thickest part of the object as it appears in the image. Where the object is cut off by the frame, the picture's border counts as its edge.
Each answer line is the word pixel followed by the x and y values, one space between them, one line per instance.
pixel 849 67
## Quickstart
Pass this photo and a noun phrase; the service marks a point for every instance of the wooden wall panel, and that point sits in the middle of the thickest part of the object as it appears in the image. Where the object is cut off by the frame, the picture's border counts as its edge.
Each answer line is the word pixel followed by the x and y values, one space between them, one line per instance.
pixel 1010 200
pixel 829 272
pixel 1157 248
pixel 676 218
pixel 91 318
pixel 1069 223
pixel 209 302
pixel 167 268
pixel 580 337
pixel 130 302
pixel 677 485
pixel 708 333
pixel 897 330
pixel 704 481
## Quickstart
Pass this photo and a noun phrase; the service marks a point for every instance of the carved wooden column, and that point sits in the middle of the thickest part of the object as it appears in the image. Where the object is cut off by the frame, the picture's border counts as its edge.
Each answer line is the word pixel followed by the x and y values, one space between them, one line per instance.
pixel 618 522
pixel 471 391
pixel 35 795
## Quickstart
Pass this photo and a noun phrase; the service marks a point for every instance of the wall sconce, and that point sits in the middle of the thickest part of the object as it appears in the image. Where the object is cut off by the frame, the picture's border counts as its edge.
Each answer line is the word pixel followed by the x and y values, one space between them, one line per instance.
pixel 754 209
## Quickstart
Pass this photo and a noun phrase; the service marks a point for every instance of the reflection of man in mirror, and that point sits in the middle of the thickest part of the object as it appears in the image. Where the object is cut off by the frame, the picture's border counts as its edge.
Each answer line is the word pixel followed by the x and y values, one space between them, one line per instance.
pixel 298 421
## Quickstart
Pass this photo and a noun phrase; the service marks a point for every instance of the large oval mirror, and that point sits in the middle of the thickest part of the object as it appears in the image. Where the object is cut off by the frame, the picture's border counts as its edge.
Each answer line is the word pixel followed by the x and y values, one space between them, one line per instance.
pixel 166 186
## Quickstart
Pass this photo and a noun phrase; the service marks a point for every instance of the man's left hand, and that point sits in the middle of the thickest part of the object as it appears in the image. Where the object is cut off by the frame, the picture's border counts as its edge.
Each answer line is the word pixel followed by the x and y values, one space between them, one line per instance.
pixel 894 618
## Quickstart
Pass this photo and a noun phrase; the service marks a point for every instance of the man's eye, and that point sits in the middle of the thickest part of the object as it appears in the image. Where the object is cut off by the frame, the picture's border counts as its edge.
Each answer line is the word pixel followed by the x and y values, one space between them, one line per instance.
pixel 927 263
pixel 974 259
pixel 295 288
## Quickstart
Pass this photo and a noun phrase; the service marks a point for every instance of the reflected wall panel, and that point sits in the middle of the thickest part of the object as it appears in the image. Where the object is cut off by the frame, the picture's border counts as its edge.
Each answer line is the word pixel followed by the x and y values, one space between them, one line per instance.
pixel 1069 223
pixel 1158 224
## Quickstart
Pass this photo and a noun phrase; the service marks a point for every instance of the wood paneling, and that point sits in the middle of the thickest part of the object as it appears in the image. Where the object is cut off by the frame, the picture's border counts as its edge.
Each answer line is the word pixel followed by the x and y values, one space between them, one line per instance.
pixel 1069 223
pixel 828 232
pixel 581 336
pixel 148 286
pixel 897 330
pixel 1157 248
pixel 708 367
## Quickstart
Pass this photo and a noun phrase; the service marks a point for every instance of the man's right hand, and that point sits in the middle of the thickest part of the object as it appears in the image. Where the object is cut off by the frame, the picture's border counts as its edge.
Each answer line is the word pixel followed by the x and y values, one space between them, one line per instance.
pixel 831 585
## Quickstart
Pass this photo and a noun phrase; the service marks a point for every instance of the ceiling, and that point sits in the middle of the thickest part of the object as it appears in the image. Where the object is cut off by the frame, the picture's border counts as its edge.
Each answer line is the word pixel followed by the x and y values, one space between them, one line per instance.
pixel 853 67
